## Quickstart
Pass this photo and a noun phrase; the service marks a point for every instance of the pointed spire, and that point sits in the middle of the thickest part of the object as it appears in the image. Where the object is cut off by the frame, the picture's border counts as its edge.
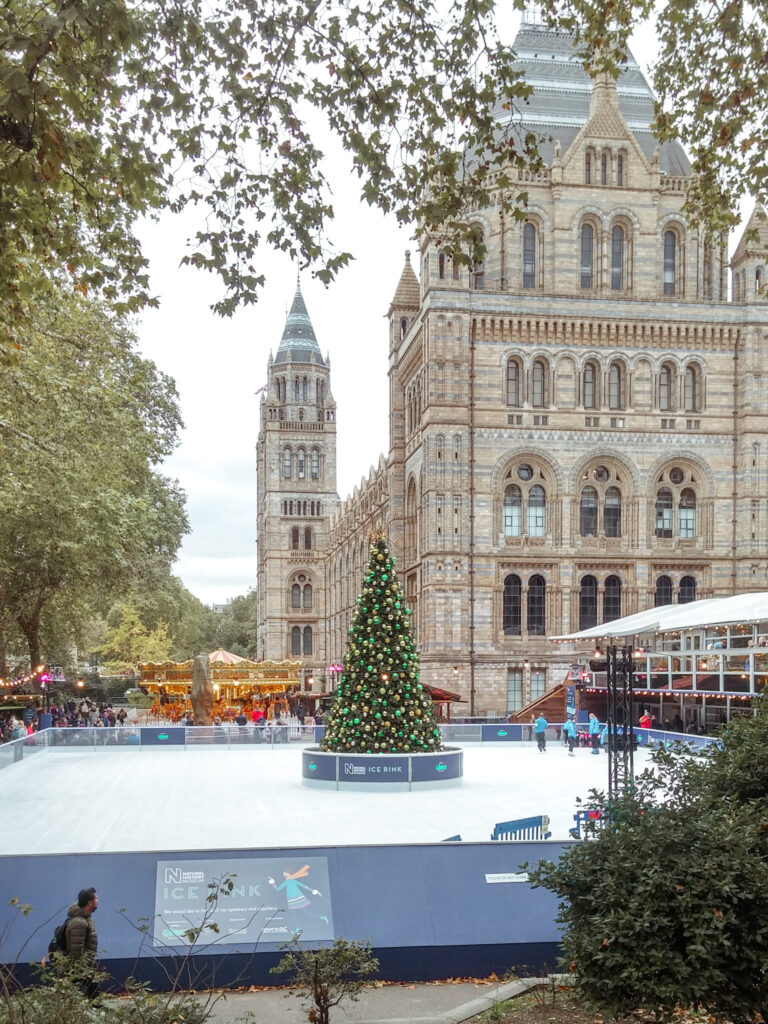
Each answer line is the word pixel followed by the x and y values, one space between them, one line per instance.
pixel 298 343
pixel 407 294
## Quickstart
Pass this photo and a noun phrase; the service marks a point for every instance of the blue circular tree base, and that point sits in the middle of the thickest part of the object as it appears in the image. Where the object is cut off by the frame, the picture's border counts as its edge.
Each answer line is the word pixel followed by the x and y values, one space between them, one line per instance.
pixel 382 773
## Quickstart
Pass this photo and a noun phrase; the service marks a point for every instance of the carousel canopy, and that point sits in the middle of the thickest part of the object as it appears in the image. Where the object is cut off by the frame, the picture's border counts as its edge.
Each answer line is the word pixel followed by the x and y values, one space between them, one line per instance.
pixel 745 609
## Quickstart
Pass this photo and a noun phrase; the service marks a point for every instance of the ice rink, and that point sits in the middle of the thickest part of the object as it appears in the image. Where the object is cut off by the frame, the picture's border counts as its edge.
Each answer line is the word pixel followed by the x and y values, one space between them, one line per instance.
pixel 142 799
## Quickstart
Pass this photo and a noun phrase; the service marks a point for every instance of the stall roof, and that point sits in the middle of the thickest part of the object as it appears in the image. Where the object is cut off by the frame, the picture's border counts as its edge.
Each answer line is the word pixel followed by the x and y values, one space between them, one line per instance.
pixel 712 611
pixel 437 694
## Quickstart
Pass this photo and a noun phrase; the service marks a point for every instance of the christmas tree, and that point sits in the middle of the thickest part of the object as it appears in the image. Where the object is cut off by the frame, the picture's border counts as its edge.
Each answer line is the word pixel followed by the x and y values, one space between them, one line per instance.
pixel 380 705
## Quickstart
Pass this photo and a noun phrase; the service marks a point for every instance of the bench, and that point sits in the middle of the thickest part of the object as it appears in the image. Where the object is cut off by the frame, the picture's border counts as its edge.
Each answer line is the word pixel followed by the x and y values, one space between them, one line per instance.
pixel 523 828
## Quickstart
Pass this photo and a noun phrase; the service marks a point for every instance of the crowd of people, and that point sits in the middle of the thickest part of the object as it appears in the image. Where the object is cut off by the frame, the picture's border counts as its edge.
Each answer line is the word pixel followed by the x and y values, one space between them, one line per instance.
pixel 70 714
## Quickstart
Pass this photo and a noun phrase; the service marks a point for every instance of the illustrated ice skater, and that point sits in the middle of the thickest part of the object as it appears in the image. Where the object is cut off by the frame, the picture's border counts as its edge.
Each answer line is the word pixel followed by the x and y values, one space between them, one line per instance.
pixel 296 891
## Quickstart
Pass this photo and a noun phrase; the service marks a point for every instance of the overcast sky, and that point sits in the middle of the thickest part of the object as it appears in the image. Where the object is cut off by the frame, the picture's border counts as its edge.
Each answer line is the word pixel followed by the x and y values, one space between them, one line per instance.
pixel 218 365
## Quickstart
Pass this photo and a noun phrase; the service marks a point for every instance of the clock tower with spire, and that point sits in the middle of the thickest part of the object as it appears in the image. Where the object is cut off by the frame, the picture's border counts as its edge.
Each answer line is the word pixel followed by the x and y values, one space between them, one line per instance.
pixel 296 496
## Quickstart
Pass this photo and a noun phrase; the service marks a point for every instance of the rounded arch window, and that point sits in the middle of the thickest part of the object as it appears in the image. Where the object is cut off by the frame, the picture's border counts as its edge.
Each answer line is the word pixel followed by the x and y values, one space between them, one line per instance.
pixel 301 463
pixel 537 512
pixel 618 248
pixel 587 242
pixel 670 263
pixel 537 617
pixel 513 511
pixel 616 386
pixel 687 592
pixel 663 512
pixel 612 599
pixel 663 595
pixel 612 512
pixel 307 596
pixel 512 606
pixel 296 640
pixel 513 382
pixel 588 602
pixel 588 512
pixel 590 385
pixel 691 400
pixel 525 471
pixel 295 596
pixel 287 459
pixel 539 384
pixel 687 513
pixel 666 388
pixel 529 255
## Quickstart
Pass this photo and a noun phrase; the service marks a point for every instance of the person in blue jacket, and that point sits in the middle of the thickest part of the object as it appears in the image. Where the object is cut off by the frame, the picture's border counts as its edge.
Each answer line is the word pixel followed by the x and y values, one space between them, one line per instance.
pixel 570 733
pixel 540 728
pixel 594 732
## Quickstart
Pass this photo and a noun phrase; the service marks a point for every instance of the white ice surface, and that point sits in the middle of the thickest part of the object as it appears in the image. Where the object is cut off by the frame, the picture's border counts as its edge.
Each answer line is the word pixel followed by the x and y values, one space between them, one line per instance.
pixel 140 799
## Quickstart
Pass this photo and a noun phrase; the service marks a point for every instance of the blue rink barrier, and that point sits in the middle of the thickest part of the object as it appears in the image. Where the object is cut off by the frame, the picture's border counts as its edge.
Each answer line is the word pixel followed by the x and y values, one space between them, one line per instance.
pixel 430 910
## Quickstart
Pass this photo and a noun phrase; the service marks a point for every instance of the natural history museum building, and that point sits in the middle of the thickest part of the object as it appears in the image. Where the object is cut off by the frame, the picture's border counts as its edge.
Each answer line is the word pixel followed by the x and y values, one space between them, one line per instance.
pixel 578 427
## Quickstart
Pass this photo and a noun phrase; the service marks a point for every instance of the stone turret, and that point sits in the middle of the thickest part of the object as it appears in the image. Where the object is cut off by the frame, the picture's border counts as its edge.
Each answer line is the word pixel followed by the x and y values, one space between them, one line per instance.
pixel 748 266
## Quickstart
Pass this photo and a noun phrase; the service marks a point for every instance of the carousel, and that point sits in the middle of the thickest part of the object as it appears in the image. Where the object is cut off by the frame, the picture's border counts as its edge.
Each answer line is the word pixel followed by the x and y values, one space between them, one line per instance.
pixel 239 685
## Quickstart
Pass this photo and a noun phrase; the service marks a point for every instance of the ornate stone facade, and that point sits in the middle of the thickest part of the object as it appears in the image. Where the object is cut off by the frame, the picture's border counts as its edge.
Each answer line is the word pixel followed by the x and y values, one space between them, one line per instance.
pixel 578 426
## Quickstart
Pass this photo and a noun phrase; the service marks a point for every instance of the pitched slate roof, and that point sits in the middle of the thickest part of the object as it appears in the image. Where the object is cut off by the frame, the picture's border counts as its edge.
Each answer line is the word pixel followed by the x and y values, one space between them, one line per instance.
pixel 407 294
pixel 559 105
pixel 299 344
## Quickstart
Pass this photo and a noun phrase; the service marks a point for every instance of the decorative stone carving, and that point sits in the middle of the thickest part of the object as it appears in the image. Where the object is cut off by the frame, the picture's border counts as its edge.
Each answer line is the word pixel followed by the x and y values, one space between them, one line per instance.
pixel 202 690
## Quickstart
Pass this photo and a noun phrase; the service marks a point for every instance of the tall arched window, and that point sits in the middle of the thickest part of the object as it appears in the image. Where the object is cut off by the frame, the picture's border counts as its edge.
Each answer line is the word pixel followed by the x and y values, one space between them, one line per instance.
pixel 295 596
pixel 537 512
pixel 315 464
pixel 670 261
pixel 296 640
pixel 308 538
pixel 403 327
pixel 612 512
pixel 478 271
pixel 691 390
pixel 304 389
pixel 590 391
pixel 307 640
pixel 513 382
pixel 441 258
pixel 513 514
pixel 604 169
pixel 287 463
pixel 588 602
pixel 620 170
pixel 666 388
pixel 617 258
pixel 320 390
pixel 687 514
pixel 587 255
pixel 612 599
pixel 301 463
pixel 758 280
pixel 537 613
pixel 511 610
pixel 307 595
pixel 588 512
pixel 539 384
pixel 663 512
pixel 295 538
pixel 588 168
pixel 616 386
pixel 687 591
pixel 529 256
pixel 663 595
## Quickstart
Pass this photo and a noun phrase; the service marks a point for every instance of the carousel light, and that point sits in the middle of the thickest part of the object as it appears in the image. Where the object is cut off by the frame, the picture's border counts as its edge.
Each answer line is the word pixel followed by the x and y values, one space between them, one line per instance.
pixel 80 683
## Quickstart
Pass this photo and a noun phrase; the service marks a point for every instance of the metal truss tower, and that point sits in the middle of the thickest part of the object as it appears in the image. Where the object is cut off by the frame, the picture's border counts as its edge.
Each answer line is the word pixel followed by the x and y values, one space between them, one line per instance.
pixel 620 739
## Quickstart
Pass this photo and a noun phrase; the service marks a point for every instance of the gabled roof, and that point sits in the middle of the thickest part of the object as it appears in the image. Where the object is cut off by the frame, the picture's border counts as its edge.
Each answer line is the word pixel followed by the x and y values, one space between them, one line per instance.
pixel 562 89
pixel 299 344
pixel 757 222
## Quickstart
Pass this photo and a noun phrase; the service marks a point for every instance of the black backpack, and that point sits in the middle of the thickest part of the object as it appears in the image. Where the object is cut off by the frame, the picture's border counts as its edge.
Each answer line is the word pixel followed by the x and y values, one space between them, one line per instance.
pixel 58 943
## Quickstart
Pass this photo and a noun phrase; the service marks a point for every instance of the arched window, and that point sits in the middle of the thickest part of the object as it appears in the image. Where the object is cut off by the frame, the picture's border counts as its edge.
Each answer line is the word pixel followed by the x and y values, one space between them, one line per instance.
pixel 296 640
pixel 670 261
pixel 295 539
pixel 590 391
pixel 295 596
pixel 529 256
pixel 287 463
pixel 539 384
pixel 304 389
pixel 612 599
pixel 588 168
pixel 513 516
pixel 617 258
pixel 478 271
pixel 587 255
pixel 320 392
pixel 588 602
pixel 301 463
pixel 663 512
pixel 308 538
pixel 315 464
pixel 537 512
pixel 758 279
pixel 307 640
pixel 441 265
pixel 663 594
pixel 308 596
pixel 537 614
pixel 687 514
pixel 691 390
pixel 687 591
pixel 403 327
pixel 296 389
pixel 666 388
pixel 616 386
pixel 612 512
pixel 511 610
pixel 513 382
pixel 588 512
pixel 620 170
pixel 604 169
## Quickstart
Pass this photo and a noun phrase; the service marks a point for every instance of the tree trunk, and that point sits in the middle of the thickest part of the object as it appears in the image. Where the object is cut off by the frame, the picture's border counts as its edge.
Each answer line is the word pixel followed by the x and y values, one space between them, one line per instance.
pixel 3 664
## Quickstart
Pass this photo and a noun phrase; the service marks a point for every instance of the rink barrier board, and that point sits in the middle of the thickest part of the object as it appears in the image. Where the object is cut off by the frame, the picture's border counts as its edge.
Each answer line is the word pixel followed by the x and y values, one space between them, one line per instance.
pixel 430 910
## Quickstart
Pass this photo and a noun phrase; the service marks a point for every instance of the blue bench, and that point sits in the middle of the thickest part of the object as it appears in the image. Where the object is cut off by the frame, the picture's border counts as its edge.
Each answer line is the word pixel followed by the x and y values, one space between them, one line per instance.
pixel 523 828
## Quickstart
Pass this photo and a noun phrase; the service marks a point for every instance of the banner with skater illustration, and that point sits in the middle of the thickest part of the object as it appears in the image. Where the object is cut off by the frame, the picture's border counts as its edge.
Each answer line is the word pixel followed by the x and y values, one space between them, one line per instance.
pixel 271 899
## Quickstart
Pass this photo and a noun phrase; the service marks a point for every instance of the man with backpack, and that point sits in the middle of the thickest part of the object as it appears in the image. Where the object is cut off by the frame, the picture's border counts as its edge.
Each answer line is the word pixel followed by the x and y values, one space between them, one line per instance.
pixel 80 941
